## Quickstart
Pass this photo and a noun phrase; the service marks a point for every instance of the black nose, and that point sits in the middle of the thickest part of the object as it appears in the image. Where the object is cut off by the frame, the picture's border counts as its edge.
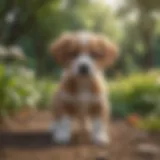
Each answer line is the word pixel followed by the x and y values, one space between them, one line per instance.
pixel 83 69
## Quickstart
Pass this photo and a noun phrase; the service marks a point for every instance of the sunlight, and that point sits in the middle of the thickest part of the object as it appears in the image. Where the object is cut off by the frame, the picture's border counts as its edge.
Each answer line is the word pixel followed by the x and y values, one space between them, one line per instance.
pixel 114 4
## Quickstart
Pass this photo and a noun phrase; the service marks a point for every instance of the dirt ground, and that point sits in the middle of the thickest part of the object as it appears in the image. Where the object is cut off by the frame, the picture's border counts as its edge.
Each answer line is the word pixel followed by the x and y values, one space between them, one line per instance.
pixel 127 143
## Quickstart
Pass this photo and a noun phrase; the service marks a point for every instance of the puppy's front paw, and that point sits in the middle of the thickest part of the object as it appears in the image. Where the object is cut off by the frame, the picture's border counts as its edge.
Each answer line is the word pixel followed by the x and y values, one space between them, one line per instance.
pixel 62 131
pixel 60 137
pixel 99 133
pixel 100 138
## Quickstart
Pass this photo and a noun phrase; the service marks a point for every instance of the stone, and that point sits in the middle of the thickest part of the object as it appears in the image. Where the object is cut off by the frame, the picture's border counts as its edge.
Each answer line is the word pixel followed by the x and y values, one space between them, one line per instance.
pixel 147 149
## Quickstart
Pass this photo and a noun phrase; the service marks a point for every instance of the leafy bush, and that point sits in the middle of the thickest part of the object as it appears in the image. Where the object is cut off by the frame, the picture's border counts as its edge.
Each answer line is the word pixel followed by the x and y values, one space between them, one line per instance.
pixel 46 89
pixel 19 88
pixel 137 93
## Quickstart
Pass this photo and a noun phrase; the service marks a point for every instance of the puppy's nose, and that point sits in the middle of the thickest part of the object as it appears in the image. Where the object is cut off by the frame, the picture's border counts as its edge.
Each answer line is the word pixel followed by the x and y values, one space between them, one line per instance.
pixel 83 69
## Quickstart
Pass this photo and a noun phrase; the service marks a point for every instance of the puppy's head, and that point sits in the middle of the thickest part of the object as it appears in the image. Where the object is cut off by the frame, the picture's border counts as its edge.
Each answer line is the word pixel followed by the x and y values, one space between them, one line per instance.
pixel 83 54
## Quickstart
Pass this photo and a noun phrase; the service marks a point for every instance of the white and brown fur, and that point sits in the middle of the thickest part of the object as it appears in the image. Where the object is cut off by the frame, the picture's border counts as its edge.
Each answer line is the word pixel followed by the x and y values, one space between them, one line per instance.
pixel 80 104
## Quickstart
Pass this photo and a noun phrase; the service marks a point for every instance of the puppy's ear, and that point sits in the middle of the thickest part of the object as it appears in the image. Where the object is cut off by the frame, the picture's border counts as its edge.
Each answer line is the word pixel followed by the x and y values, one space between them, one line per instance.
pixel 59 48
pixel 110 51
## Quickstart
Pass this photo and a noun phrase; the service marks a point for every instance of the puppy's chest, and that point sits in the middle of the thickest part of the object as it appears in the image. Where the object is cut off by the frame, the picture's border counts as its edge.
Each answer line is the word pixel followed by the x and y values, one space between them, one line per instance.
pixel 83 97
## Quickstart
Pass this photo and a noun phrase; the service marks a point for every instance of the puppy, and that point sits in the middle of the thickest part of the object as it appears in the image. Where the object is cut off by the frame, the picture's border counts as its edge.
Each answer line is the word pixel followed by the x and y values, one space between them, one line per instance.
pixel 80 104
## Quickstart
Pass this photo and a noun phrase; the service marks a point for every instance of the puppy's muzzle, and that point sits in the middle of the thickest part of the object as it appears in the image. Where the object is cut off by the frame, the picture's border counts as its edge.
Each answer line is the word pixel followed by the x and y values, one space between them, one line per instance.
pixel 83 69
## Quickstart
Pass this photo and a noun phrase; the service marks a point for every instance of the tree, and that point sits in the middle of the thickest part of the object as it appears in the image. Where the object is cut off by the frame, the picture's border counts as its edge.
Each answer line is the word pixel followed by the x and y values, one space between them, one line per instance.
pixel 34 24
pixel 145 24
pixel 19 21
pixel 18 17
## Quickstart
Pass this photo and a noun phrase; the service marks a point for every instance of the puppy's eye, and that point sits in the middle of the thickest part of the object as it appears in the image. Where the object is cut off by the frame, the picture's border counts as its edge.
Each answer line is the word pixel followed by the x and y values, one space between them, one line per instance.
pixel 96 55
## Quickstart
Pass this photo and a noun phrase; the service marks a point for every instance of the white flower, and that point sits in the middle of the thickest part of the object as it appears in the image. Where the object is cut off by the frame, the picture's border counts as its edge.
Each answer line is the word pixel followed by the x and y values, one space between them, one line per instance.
pixel 3 51
pixel 17 52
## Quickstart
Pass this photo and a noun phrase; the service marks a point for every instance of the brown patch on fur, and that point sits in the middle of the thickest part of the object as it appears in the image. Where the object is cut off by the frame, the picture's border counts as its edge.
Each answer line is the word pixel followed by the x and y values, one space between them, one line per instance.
pixel 70 85
pixel 103 51
pixel 109 50
pixel 64 48
pixel 62 108
pixel 97 110
pixel 70 109
pixel 96 86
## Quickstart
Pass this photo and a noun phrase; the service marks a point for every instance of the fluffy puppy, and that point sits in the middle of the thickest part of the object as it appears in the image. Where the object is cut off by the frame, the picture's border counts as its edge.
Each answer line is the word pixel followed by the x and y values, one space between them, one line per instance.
pixel 80 104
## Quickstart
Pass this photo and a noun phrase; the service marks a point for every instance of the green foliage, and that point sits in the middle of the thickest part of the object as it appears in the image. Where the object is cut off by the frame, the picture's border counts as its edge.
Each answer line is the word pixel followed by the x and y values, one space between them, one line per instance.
pixel 46 89
pixel 138 93
pixel 19 88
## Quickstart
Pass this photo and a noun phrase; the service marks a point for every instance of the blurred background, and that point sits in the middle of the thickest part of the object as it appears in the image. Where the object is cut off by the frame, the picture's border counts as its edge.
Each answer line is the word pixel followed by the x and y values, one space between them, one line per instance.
pixel 29 75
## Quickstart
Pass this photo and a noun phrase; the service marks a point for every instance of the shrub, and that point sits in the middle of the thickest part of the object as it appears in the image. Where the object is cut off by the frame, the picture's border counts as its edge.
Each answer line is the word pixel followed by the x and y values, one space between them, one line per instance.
pixel 46 88
pixel 19 88
pixel 137 93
